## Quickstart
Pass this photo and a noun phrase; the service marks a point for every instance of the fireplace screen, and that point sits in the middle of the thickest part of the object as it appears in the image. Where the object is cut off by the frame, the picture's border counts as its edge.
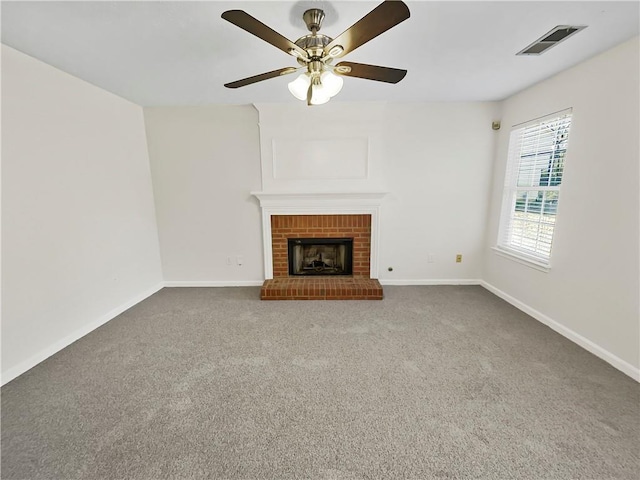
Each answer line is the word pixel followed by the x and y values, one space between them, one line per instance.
pixel 320 256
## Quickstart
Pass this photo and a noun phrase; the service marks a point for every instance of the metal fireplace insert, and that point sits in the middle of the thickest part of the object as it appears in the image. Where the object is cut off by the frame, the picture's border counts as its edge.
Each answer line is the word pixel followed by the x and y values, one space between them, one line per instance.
pixel 320 256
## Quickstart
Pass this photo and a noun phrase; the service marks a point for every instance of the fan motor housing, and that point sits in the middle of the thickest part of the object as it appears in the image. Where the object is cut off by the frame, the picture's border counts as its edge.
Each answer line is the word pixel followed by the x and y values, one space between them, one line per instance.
pixel 314 45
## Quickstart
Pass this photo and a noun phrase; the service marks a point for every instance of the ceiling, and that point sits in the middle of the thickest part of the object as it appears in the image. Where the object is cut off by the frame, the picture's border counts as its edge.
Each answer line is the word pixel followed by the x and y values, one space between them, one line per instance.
pixel 181 53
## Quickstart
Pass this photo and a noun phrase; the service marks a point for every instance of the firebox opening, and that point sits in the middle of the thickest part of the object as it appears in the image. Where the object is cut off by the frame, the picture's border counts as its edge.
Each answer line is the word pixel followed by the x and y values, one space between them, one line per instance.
pixel 320 256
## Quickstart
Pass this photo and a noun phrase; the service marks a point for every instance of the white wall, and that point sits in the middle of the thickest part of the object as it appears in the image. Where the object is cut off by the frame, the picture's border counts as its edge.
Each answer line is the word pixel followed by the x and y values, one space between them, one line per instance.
pixel 433 159
pixel 79 237
pixel 591 292
pixel 438 167
pixel 204 163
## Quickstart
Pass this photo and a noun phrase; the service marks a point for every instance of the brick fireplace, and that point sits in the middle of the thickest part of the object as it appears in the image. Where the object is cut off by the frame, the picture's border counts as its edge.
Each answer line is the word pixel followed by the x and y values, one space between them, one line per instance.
pixel 320 216
pixel 358 227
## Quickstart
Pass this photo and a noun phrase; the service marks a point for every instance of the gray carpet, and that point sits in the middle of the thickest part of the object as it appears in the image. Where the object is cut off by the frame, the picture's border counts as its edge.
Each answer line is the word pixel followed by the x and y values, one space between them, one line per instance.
pixel 432 382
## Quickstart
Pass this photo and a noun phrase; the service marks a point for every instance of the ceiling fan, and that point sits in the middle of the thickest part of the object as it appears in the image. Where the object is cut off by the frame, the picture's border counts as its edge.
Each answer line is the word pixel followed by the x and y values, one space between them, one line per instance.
pixel 316 52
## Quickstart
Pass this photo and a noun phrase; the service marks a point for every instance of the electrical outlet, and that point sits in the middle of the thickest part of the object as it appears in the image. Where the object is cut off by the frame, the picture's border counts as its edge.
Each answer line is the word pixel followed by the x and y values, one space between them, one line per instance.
pixel 431 258
pixel 459 258
pixel 240 260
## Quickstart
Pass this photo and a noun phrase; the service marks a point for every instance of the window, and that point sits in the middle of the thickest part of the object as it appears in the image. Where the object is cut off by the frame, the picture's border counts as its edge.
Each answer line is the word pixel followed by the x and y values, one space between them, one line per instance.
pixel 535 166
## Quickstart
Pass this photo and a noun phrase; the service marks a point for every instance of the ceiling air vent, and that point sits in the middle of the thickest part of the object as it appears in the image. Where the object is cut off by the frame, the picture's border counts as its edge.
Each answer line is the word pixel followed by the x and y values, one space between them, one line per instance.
pixel 550 39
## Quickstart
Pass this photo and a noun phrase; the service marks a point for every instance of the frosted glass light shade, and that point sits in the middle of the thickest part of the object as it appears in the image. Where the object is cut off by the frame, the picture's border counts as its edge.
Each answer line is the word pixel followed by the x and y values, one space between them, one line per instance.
pixel 299 86
pixel 318 96
pixel 331 83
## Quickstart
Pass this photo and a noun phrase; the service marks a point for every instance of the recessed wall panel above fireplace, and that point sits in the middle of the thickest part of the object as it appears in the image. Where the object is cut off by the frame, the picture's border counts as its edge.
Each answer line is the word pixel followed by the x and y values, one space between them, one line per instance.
pixel 334 149
pixel 320 158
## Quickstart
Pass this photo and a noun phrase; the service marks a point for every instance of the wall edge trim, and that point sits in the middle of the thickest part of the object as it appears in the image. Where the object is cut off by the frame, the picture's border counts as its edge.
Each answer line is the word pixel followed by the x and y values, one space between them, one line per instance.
pixel 444 281
pixel 566 332
pixel 76 335
pixel 213 283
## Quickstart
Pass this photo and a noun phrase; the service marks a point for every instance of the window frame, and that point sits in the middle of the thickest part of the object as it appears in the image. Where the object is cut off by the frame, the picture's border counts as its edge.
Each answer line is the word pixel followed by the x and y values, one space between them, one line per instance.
pixel 533 258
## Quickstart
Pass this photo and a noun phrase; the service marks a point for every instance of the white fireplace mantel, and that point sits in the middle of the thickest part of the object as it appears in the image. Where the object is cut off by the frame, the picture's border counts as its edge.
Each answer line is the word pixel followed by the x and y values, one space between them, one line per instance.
pixel 324 203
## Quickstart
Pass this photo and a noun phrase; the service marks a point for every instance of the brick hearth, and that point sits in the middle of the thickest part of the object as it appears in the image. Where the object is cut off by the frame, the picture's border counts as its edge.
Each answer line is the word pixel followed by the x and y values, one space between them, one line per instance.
pixel 321 288
pixel 358 286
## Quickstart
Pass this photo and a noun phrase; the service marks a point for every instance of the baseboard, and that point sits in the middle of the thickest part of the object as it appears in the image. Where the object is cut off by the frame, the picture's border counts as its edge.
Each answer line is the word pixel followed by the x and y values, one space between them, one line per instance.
pixel 31 362
pixel 576 338
pixel 585 343
pixel 214 283
pixel 258 283
pixel 446 281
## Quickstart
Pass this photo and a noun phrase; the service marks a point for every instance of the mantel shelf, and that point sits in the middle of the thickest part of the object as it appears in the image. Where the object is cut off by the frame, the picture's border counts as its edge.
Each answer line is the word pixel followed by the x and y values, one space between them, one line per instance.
pixel 319 199
pixel 319 203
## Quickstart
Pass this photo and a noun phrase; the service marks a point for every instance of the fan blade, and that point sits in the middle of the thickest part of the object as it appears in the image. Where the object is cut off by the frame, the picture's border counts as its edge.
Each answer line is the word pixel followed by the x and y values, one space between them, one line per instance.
pixel 385 16
pixel 246 22
pixel 261 77
pixel 370 72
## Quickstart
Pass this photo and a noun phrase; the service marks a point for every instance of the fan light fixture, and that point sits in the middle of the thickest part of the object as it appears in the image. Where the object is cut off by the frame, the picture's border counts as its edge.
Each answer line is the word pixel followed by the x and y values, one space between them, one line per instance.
pixel 323 87
pixel 316 52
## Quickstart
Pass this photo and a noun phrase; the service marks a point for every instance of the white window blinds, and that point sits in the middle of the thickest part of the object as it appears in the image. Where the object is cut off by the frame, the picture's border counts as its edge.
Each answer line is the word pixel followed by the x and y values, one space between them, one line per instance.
pixel 535 167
